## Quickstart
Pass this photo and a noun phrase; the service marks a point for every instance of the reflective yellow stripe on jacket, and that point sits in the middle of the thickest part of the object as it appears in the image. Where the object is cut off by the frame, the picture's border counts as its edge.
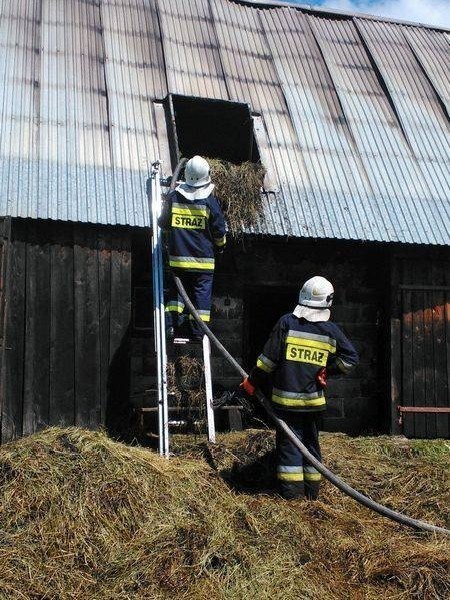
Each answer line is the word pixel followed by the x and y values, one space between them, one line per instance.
pixel 298 400
pixel 265 364
pixel 205 315
pixel 191 262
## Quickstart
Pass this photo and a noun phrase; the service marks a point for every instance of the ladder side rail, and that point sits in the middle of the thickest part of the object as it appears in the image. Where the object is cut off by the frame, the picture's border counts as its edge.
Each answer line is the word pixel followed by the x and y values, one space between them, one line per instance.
pixel 163 349
pixel 208 389
pixel 158 312
pixel 155 283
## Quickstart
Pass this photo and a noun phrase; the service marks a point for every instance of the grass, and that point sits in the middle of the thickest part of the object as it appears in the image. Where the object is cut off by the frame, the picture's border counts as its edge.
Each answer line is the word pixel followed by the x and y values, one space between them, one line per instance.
pixel 82 516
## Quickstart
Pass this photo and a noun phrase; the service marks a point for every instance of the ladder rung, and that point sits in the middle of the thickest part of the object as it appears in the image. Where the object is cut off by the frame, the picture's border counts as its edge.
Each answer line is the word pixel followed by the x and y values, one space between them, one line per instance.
pixel 150 409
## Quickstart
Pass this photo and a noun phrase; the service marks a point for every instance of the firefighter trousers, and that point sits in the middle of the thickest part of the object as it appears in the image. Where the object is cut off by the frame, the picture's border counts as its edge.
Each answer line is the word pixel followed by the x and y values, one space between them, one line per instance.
pixel 199 289
pixel 296 477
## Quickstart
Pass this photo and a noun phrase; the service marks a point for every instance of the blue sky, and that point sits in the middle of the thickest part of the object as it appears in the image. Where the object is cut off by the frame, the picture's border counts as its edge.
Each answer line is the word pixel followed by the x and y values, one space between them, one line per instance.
pixel 432 12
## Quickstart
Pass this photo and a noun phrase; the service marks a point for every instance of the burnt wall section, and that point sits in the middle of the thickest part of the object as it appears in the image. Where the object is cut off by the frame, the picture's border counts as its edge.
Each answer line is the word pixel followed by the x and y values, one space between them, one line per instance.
pixel 258 282
pixel 67 315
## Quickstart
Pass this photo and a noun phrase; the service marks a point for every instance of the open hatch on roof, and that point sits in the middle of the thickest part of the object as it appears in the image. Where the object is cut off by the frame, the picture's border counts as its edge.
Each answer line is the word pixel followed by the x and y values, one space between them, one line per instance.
pixel 213 128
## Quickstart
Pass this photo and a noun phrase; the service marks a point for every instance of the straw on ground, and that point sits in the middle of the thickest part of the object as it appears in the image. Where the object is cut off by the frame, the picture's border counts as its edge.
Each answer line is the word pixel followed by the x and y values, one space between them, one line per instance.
pixel 83 516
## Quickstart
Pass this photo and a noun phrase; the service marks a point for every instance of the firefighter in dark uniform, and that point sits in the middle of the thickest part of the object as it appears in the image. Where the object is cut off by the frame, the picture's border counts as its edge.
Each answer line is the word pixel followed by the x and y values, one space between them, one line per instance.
pixel 196 226
pixel 303 348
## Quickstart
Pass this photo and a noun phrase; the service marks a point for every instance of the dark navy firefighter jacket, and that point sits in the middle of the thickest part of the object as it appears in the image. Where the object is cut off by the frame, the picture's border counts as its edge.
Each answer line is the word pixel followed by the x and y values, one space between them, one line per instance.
pixel 296 350
pixel 197 228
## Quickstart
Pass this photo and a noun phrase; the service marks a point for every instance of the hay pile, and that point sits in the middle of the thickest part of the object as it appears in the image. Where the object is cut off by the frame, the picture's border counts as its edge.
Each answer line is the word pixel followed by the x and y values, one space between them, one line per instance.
pixel 238 189
pixel 82 516
pixel 186 385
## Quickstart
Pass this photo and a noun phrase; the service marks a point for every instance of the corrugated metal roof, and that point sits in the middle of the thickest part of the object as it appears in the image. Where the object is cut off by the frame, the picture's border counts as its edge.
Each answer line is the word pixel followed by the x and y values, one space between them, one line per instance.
pixel 356 110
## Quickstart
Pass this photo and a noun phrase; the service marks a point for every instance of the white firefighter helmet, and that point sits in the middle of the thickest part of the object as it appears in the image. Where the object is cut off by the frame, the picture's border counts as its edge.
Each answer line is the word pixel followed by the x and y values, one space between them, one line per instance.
pixel 317 292
pixel 196 172
pixel 314 300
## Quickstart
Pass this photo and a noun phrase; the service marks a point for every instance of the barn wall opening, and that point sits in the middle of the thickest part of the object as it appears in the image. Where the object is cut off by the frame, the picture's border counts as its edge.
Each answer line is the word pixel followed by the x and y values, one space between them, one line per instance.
pixel 213 128
pixel 263 306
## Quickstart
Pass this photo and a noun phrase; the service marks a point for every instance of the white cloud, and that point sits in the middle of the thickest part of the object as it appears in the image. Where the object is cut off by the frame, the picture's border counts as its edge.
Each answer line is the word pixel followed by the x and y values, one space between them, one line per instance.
pixel 431 12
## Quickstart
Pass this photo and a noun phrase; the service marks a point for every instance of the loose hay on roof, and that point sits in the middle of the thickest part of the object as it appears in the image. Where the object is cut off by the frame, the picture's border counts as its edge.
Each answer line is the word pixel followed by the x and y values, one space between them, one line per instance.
pixel 82 516
pixel 238 189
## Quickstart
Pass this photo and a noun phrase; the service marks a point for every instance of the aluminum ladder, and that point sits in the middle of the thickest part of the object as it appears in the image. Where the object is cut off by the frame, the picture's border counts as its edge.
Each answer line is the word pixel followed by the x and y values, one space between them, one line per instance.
pixel 156 202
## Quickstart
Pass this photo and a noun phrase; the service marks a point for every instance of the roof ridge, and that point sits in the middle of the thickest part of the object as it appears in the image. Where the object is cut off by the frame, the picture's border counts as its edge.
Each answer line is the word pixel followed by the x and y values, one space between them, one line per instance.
pixel 335 12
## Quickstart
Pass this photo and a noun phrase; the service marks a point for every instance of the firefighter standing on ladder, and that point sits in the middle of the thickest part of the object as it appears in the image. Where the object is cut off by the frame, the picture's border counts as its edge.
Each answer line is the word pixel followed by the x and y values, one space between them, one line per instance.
pixel 196 226
pixel 303 348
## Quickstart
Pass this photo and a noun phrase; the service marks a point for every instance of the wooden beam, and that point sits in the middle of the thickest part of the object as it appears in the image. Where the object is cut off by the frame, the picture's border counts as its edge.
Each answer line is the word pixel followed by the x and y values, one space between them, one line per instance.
pixel 36 361
pixel 12 382
pixel 62 328
pixel 395 345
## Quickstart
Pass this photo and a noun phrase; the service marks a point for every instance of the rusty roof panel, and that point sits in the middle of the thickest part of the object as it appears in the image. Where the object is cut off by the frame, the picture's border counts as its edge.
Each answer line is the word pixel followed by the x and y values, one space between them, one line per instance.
pixel 354 110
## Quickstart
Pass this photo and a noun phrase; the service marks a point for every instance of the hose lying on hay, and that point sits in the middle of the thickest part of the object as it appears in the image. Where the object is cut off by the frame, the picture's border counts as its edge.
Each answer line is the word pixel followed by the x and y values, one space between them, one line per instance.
pixel 282 425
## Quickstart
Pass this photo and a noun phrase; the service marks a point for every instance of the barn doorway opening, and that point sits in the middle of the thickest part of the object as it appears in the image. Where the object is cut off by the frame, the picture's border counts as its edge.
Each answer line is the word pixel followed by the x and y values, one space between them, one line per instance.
pixel 263 306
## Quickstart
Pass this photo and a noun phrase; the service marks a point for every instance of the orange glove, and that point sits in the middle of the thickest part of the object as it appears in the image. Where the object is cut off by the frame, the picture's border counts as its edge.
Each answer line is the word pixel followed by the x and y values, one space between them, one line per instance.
pixel 321 377
pixel 248 387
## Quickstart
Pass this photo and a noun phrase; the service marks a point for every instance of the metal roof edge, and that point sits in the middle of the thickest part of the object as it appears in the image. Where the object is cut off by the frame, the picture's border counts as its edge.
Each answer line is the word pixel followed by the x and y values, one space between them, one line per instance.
pixel 282 237
pixel 334 11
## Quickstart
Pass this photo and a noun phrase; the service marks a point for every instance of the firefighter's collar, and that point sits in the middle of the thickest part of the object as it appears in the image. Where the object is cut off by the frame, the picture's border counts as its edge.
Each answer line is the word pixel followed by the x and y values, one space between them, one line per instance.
pixel 312 314
pixel 192 193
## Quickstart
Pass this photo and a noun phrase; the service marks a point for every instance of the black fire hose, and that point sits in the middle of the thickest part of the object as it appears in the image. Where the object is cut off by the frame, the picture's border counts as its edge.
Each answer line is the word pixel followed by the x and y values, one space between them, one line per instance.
pixel 282 425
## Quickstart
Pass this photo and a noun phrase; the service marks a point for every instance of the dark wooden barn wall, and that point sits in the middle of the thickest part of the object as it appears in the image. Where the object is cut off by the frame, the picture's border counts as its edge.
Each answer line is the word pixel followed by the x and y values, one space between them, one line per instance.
pixel 257 281
pixel 389 325
pixel 356 403
pixel 67 314
pixel 420 340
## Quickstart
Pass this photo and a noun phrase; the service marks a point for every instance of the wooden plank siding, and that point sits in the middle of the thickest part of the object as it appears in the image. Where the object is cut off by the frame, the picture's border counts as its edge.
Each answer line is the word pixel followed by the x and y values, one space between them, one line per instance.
pixel 5 228
pixel 104 313
pixel 62 338
pixel 14 327
pixel 87 330
pixel 68 307
pixel 394 356
pixel 36 349
pixel 118 410
pixel 420 360
pixel 407 362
